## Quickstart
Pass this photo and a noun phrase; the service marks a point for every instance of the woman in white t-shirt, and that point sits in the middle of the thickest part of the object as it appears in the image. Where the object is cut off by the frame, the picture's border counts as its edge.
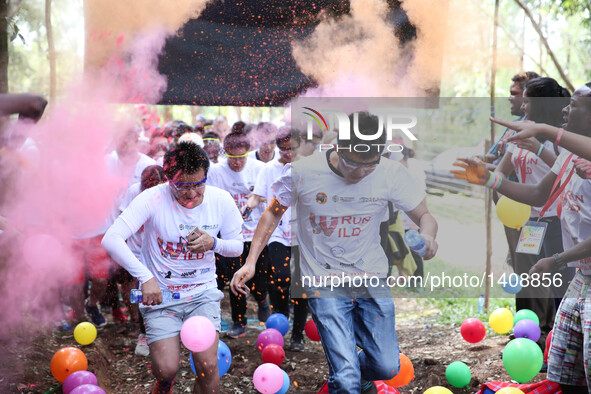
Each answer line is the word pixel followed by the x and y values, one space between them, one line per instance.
pixel 532 159
pixel 181 220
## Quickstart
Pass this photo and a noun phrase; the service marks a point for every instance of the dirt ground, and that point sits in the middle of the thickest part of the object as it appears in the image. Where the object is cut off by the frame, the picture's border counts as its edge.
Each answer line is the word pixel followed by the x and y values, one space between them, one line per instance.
pixel 24 361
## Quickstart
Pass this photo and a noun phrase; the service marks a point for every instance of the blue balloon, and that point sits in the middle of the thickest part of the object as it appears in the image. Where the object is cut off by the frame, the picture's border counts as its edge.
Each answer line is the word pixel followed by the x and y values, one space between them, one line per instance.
pixel 279 322
pixel 285 386
pixel 224 359
pixel 513 284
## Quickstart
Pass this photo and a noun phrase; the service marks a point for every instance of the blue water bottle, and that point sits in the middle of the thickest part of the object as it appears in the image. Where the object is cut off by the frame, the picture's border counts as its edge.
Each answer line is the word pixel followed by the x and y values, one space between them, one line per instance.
pixel 480 306
pixel 136 297
pixel 416 242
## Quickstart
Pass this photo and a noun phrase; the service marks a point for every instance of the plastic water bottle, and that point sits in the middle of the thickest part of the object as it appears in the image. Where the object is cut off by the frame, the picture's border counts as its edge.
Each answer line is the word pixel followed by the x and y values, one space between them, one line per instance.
pixel 480 306
pixel 416 242
pixel 136 297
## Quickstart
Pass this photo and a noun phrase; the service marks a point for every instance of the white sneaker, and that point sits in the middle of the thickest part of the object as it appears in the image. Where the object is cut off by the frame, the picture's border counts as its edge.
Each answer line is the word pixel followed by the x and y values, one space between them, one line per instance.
pixel 142 348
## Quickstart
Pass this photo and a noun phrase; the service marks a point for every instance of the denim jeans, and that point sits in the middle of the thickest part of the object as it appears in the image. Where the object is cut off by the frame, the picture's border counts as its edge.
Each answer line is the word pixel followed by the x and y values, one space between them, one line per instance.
pixel 361 317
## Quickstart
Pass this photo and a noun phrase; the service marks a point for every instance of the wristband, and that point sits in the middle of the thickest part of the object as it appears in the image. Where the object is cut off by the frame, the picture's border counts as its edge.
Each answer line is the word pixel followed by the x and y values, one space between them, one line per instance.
pixel 495 183
pixel 498 185
pixel 540 150
pixel 558 137
pixel 559 262
pixel 491 179
pixel 215 243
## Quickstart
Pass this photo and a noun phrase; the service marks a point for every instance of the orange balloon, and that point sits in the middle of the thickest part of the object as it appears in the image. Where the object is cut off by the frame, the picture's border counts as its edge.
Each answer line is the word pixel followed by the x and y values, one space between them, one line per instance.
pixel 405 375
pixel 66 361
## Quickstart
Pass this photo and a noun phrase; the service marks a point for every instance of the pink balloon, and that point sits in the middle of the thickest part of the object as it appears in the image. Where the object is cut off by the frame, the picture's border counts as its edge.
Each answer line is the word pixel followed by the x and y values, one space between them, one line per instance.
pixel 268 378
pixel 198 333
pixel 269 336
pixel 88 389
pixel 78 378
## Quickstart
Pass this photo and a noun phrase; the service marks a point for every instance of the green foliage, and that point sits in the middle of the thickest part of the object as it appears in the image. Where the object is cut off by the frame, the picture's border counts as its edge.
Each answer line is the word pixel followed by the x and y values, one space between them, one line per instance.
pixel 456 310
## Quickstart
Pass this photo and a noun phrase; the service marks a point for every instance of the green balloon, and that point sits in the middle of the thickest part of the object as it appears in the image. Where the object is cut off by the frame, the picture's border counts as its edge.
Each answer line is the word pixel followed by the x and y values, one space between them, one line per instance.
pixel 458 374
pixel 525 314
pixel 522 359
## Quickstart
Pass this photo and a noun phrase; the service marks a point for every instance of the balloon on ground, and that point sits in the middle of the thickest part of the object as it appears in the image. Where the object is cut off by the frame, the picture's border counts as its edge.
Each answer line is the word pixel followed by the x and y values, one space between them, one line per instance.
pixel 527 328
pixel 267 337
pixel 509 390
pixel 405 375
pixel 501 320
pixel 273 354
pixel 66 361
pixel 78 379
pixel 286 383
pixel 526 314
pixel 88 389
pixel 522 359
pixel 224 359
pixel 268 378
pixel 473 330
pixel 312 331
pixel 438 390
pixel 279 322
pixel 85 333
pixel 458 374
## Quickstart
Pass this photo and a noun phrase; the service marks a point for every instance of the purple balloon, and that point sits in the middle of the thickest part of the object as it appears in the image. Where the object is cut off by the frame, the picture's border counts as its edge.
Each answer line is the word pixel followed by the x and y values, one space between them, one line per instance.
pixel 267 337
pixel 78 378
pixel 88 389
pixel 527 328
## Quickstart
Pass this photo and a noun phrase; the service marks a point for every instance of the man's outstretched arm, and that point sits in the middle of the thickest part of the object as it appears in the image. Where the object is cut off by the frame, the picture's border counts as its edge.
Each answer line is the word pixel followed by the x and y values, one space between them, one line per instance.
pixel 267 224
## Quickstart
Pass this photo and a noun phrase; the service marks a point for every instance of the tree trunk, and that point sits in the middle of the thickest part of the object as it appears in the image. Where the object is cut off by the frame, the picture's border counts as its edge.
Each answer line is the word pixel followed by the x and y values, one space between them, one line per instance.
pixel 3 46
pixel 488 195
pixel 50 52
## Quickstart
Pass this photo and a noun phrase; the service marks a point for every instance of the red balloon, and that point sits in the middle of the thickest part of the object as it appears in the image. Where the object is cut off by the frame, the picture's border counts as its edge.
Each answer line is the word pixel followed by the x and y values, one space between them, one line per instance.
pixel 473 330
pixel 312 331
pixel 547 350
pixel 273 354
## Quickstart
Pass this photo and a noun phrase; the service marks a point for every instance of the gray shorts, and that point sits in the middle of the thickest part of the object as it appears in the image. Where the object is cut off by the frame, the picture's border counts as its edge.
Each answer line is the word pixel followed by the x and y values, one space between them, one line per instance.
pixel 165 321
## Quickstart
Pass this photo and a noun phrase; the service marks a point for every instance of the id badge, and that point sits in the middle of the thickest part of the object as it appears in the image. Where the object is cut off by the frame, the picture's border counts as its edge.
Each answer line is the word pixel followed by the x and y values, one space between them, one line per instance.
pixel 531 238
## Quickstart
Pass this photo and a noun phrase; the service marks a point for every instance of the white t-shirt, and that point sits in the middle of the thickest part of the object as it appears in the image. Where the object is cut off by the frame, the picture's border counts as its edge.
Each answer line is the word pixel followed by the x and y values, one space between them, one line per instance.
pixel 134 174
pixel 264 187
pixel 135 241
pixel 240 185
pixel 253 154
pixel 166 226
pixel 338 223
pixel 575 215
pixel 535 171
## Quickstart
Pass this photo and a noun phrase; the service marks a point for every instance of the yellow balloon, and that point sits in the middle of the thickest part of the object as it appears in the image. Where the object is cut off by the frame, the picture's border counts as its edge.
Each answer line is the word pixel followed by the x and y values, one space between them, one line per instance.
pixel 437 390
pixel 85 333
pixel 513 214
pixel 510 390
pixel 501 320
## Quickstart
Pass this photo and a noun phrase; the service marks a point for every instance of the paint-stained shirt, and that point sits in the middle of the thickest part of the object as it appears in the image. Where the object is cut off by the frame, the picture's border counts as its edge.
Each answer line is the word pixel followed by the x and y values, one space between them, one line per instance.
pixel 166 227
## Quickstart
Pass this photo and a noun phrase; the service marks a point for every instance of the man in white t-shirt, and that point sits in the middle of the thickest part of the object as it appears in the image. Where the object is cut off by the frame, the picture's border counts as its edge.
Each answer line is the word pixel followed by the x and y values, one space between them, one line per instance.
pixel 237 175
pixel 340 198
pixel 181 220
